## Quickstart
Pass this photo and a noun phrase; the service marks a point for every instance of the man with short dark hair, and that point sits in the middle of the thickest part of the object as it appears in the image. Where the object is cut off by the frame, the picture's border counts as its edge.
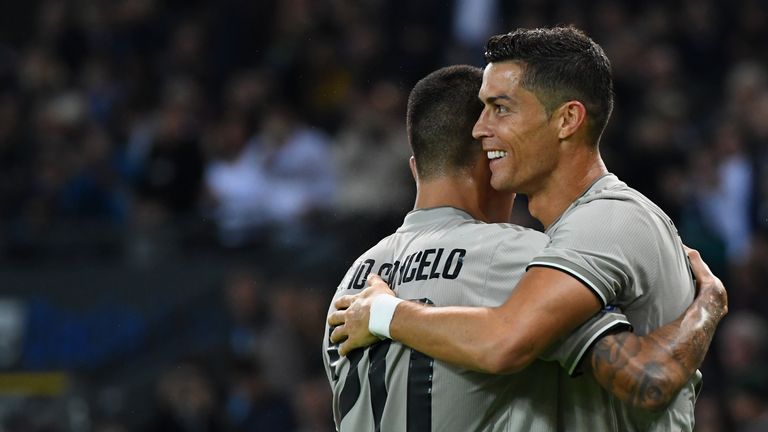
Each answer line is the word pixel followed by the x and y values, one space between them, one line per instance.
pixel 547 97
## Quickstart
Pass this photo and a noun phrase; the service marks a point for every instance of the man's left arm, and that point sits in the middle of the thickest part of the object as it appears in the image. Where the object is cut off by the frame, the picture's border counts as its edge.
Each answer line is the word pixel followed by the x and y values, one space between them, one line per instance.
pixel 648 371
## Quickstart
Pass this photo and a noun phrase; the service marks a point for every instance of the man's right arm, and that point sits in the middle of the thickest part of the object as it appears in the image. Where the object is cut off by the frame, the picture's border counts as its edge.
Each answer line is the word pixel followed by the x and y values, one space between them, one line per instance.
pixel 648 371
pixel 645 371
pixel 501 339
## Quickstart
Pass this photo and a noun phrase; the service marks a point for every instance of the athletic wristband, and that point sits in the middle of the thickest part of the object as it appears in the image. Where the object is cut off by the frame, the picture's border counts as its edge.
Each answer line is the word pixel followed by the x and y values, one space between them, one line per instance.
pixel 382 309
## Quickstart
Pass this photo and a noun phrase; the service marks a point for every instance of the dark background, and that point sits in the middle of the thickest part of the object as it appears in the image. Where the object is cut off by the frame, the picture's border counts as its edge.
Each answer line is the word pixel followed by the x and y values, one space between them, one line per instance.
pixel 184 183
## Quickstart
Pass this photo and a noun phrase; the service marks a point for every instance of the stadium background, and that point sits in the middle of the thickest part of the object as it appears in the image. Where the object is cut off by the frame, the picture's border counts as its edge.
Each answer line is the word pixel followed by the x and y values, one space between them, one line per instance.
pixel 184 182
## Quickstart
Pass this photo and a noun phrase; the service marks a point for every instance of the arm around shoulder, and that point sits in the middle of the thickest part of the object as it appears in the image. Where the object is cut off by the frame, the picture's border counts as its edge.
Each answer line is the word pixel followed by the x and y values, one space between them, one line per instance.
pixel 648 371
pixel 546 305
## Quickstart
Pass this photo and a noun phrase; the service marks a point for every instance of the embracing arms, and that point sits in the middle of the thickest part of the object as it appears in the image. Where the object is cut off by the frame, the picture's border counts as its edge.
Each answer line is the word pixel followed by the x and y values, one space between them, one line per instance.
pixel 645 371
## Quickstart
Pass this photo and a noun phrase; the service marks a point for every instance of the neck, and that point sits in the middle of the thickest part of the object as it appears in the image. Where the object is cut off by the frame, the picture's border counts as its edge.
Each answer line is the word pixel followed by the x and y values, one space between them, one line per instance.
pixel 568 182
pixel 461 192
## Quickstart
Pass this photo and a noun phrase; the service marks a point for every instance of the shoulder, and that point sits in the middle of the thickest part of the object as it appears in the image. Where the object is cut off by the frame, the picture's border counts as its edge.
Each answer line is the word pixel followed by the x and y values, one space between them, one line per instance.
pixel 508 229
pixel 620 224
pixel 510 244
pixel 607 211
pixel 504 233
pixel 382 247
pixel 517 233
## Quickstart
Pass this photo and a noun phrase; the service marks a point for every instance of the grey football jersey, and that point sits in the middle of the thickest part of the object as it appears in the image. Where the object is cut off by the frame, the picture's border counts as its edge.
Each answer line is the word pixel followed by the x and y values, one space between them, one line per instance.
pixel 626 250
pixel 444 257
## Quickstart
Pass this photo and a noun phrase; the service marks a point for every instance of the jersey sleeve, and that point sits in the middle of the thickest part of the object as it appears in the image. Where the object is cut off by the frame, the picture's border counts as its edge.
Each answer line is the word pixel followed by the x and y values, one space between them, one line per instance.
pixel 570 351
pixel 598 243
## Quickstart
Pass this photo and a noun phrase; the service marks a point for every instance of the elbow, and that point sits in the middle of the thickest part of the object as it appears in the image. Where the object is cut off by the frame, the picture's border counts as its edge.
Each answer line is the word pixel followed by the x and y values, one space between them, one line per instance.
pixel 655 405
pixel 655 393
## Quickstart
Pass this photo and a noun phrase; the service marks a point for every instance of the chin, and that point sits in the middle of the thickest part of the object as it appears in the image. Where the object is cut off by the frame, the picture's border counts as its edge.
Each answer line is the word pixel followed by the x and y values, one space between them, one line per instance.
pixel 502 185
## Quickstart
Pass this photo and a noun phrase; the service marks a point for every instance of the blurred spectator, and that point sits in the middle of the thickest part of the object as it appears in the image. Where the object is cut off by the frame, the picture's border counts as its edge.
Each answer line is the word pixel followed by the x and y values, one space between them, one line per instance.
pixel 295 158
pixel 749 278
pixel 725 202
pixel 94 190
pixel 281 178
pixel 473 21
pixel 743 339
pixel 12 328
pixel 748 405
pixel 253 405
pixel 248 90
pixel 372 155
pixel 284 356
pixel 246 299
pixel 323 95
pixel 710 415
pixel 186 402
pixel 15 158
pixel 167 154
pixel 263 321
pixel 313 405
pixel 234 182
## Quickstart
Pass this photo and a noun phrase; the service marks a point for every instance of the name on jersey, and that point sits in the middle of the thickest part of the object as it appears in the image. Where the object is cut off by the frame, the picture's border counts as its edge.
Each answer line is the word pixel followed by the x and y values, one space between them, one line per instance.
pixel 419 266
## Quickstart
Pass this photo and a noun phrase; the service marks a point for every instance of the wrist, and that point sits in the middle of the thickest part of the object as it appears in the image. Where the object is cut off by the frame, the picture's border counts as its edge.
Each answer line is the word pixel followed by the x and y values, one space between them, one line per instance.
pixel 382 310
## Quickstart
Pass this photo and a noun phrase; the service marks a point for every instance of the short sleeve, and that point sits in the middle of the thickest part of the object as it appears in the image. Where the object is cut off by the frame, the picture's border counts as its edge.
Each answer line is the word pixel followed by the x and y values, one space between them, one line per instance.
pixel 569 351
pixel 597 243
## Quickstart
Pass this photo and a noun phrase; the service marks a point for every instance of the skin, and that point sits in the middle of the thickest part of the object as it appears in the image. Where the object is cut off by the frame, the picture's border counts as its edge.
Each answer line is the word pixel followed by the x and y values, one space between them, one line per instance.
pixel 549 157
pixel 467 189
pixel 552 160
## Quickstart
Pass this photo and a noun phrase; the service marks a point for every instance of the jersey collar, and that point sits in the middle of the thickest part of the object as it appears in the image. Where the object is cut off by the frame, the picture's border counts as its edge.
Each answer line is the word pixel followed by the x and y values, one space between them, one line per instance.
pixel 427 216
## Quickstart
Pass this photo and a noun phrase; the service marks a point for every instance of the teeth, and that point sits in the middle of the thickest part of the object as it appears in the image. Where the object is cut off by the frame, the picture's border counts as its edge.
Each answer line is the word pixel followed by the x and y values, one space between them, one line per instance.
pixel 496 154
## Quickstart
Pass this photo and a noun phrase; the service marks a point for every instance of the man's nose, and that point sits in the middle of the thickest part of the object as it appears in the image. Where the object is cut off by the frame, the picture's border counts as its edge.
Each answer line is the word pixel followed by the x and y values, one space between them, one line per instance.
pixel 480 130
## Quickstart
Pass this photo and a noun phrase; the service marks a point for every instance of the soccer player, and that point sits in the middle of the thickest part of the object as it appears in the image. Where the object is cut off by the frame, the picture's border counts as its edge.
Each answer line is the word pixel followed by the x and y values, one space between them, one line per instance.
pixel 547 96
pixel 390 387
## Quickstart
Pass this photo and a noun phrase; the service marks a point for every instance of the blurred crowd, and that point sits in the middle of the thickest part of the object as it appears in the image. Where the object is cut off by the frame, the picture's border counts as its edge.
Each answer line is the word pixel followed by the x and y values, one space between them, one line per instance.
pixel 134 130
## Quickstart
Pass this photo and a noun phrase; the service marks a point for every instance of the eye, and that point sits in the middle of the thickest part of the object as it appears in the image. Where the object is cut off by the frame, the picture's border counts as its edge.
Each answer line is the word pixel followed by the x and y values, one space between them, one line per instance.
pixel 501 109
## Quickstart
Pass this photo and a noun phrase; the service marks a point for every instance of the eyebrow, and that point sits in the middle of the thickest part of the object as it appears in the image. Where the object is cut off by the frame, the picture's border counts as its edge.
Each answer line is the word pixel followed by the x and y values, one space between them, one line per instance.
pixel 493 99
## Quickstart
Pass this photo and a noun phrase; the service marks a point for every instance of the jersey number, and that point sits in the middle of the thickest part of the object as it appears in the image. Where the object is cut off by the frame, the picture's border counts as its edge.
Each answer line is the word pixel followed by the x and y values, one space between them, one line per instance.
pixel 419 393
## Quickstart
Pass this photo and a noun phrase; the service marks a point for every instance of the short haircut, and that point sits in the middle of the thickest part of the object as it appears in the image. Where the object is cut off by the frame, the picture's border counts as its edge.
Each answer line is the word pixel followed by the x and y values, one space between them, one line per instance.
pixel 442 110
pixel 560 64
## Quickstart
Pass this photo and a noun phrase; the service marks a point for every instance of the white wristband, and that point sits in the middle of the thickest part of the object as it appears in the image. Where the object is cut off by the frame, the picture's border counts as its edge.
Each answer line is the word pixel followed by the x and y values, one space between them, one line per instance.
pixel 382 309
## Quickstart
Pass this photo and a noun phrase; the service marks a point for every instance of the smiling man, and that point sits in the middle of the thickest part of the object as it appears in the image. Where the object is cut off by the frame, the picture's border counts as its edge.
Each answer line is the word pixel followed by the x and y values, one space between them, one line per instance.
pixel 547 96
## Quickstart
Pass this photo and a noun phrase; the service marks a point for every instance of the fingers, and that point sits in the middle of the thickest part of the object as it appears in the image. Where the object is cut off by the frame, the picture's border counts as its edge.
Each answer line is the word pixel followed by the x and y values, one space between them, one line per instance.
pixel 339 334
pixel 700 269
pixel 337 318
pixel 344 348
pixel 376 285
pixel 344 301
pixel 353 343
pixel 375 281
pixel 373 278
pixel 708 284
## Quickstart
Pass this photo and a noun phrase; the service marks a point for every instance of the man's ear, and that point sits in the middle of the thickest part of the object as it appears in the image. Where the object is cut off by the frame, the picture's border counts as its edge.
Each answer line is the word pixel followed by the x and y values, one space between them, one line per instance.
pixel 412 164
pixel 571 117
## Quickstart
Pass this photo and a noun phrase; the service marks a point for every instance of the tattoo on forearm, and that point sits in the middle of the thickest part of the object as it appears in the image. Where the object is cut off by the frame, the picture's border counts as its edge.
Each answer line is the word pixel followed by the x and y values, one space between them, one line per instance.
pixel 649 390
pixel 648 371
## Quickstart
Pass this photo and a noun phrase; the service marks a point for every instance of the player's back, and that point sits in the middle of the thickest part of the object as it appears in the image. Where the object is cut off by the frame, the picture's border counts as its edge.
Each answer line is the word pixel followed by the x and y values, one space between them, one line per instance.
pixel 388 386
